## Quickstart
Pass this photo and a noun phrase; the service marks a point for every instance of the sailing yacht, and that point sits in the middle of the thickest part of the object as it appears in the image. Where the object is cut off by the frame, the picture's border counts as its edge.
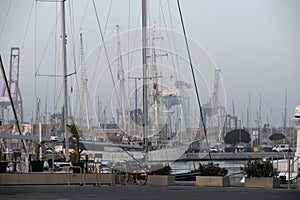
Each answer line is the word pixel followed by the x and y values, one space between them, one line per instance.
pixel 164 119
pixel 152 133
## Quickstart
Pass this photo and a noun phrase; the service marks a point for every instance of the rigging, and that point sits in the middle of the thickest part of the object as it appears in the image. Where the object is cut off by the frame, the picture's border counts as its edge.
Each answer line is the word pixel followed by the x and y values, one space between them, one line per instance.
pixel 192 69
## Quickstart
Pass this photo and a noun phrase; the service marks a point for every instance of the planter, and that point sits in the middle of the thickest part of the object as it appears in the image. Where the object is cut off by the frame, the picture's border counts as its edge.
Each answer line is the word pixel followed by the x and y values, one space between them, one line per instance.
pixel 37 166
pixel 212 181
pixel 76 167
pixel 3 166
pixel 47 178
pixel 262 182
pixel 162 180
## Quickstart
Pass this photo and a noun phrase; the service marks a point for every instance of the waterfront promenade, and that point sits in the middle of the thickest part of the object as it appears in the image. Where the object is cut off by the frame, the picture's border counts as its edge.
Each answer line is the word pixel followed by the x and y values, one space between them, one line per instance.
pixel 225 156
pixel 180 191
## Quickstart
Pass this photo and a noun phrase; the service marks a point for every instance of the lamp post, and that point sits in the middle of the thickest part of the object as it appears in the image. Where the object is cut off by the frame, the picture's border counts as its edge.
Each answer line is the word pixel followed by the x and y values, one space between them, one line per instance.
pixel 295 121
pixel 296 124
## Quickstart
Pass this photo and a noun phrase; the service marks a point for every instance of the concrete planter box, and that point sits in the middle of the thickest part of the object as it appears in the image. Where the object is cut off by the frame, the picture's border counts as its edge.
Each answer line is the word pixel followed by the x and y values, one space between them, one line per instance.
pixel 54 179
pixel 212 181
pixel 262 182
pixel 161 180
pixel 3 166
pixel 37 166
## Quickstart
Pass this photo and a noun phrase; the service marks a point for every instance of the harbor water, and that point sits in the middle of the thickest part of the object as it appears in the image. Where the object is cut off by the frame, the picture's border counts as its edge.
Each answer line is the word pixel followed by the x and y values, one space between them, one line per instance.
pixel 233 166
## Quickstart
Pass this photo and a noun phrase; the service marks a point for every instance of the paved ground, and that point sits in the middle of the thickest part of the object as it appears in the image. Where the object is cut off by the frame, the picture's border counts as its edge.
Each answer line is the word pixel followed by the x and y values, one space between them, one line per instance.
pixel 134 192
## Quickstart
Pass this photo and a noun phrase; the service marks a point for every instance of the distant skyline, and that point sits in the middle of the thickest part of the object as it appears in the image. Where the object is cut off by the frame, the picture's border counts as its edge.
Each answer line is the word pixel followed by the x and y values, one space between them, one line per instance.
pixel 255 43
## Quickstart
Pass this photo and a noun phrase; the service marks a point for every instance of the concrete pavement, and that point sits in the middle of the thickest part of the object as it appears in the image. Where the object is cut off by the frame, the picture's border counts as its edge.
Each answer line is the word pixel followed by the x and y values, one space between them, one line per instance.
pixel 134 192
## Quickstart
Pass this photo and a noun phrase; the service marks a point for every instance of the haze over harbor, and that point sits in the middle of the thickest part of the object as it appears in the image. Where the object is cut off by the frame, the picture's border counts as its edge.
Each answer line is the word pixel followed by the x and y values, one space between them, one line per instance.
pixel 256 44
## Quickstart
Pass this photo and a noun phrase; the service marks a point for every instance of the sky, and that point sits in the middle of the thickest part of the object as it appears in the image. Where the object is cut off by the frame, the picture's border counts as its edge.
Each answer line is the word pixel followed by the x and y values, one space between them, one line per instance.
pixel 255 43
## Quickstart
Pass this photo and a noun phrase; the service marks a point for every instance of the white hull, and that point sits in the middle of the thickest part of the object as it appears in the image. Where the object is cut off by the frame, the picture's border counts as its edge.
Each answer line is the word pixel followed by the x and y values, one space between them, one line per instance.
pixel 116 154
pixel 282 166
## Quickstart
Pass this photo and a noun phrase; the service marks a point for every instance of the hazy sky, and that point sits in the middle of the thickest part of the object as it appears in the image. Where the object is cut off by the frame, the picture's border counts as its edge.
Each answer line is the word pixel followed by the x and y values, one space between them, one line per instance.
pixel 255 43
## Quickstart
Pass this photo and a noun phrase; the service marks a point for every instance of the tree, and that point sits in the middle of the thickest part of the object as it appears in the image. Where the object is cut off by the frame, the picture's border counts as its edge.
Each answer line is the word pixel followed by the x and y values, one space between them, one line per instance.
pixel 276 136
pixel 37 146
pixel 237 136
pixel 76 154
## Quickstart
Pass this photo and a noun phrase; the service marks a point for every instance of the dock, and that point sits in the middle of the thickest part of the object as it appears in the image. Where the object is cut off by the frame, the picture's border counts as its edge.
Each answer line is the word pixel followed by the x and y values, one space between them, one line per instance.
pixel 223 156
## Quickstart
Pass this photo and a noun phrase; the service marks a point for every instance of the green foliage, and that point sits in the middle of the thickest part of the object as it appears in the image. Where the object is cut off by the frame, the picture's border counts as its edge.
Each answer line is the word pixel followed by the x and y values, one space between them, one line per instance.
pixel 259 168
pixel 75 155
pixel 37 146
pixel 74 131
pixel 211 169
pixel 163 170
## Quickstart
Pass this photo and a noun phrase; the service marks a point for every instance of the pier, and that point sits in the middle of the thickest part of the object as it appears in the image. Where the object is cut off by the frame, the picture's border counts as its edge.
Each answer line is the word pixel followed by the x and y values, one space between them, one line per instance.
pixel 223 156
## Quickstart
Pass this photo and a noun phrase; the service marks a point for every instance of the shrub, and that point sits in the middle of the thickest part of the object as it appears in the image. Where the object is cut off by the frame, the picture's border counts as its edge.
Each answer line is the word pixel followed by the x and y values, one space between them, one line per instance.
pixel 259 168
pixel 211 169
pixel 161 170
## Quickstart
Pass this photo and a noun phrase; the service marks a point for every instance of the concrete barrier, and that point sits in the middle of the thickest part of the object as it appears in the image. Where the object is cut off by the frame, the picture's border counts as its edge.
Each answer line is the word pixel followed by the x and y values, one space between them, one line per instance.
pixel 161 180
pixel 262 182
pixel 54 179
pixel 212 181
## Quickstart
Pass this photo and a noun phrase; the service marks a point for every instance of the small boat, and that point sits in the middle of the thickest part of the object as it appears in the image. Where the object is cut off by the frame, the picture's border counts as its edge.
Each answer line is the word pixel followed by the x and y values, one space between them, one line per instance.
pixel 187 176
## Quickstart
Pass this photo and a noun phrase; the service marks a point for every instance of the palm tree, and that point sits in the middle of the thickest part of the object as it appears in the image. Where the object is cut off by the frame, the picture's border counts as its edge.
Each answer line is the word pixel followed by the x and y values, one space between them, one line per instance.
pixel 37 146
pixel 75 155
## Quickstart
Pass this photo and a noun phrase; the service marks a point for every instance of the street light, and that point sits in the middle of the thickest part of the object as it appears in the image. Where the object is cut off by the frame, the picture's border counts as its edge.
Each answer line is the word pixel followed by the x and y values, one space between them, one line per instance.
pixel 296 124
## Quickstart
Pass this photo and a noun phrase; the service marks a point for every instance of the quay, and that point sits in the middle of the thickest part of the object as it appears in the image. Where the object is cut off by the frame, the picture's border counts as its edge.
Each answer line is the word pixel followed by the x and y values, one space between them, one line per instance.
pixel 223 156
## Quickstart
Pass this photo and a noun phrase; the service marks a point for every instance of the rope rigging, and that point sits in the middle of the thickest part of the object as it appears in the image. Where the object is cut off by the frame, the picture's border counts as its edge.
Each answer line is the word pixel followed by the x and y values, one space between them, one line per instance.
pixel 104 47
pixel 6 15
pixel 193 74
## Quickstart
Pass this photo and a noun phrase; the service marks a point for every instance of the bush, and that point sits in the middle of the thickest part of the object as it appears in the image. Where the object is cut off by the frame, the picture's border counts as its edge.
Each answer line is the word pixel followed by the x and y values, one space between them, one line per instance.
pixel 259 168
pixel 211 169
pixel 166 170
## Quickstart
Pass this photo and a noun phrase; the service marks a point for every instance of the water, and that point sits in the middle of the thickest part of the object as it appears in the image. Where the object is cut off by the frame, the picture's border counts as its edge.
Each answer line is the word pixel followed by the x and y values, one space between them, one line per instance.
pixel 233 166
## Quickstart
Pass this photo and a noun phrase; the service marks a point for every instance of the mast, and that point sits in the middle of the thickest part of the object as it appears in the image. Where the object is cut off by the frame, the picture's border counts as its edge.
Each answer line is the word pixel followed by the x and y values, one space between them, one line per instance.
pixel 144 62
pixel 155 82
pixel 249 126
pixel 284 117
pixel 259 121
pixel 64 64
pixel 122 81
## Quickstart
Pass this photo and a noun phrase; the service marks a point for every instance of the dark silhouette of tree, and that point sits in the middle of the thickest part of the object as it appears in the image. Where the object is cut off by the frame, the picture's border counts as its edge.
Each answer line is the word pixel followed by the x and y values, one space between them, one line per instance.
pixel 75 155
pixel 276 136
pixel 237 136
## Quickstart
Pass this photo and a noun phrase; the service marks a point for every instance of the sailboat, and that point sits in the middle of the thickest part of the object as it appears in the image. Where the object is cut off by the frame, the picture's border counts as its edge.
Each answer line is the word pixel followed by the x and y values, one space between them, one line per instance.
pixel 150 133
pixel 160 126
